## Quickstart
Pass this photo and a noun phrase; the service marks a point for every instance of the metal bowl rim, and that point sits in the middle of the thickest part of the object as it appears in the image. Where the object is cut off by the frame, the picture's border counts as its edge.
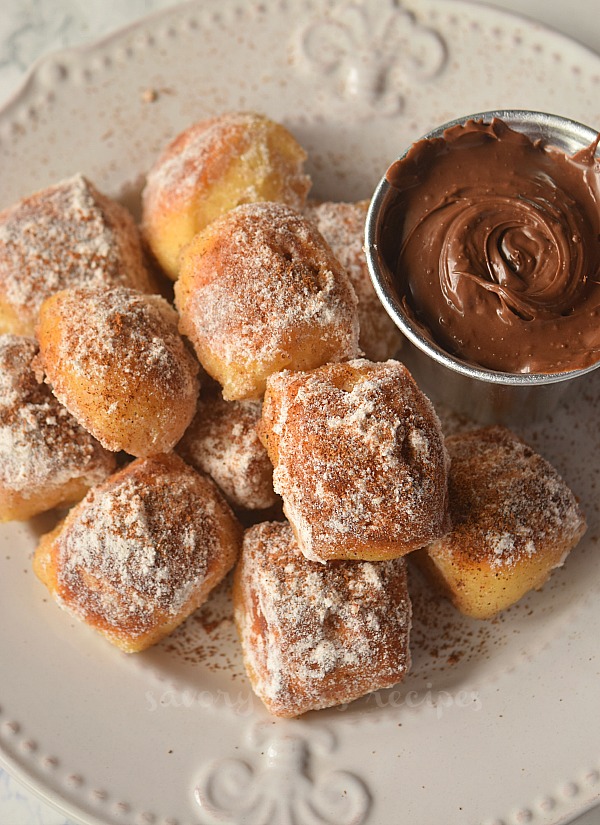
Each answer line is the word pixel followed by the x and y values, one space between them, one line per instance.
pixel 584 134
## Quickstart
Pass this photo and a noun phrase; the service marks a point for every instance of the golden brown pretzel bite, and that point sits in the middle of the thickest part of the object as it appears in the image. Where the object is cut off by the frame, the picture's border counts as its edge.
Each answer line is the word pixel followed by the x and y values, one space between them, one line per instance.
pixel 223 441
pixel 46 457
pixel 259 290
pixel 141 551
pixel 212 166
pixel 514 520
pixel 317 635
pixel 68 235
pixel 359 459
pixel 115 359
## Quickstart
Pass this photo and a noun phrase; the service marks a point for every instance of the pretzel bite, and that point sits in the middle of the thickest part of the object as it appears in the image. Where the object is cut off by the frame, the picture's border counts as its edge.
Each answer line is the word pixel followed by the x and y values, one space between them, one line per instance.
pixel 68 235
pixel 46 458
pixel 223 442
pixel 312 635
pixel 343 227
pixel 140 552
pixel 259 290
pixel 214 165
pixel 115 359
pixel 359 460
pixel 514 520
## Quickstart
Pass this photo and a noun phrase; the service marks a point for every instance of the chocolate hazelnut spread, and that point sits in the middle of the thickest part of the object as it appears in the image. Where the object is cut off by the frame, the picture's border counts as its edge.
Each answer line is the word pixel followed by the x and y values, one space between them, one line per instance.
pixel 495 243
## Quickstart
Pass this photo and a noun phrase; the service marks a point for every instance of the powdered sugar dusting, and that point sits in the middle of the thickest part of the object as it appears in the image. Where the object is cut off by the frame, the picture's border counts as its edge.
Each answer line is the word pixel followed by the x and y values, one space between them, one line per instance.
pixel 507 503
pixel 68 235
pixel 137 548
pixel 314 636
pixel 41 445
pixel 360 457
pixel 137 333
pixel 266 288
pixel 222 441
pixel 192 161
pixel 124 349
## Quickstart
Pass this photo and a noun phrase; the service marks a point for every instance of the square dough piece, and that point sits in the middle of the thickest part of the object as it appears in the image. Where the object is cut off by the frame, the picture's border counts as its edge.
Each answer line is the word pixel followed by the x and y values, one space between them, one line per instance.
pixel 46 458
pixel 259 290
pixel 359 460
pixel 210 168
pixel 317 635
pixel 514 521
pixel 66 236
pixel 141 552
pixel 223 442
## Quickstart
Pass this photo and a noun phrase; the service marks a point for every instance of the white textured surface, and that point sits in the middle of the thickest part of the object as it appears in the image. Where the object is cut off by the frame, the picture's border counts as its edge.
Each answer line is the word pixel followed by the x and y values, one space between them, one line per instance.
pixel 29 29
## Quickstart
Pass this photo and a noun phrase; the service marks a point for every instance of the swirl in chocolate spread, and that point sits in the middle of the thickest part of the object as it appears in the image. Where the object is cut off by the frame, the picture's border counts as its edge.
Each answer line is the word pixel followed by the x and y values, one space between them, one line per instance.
pixel 495 242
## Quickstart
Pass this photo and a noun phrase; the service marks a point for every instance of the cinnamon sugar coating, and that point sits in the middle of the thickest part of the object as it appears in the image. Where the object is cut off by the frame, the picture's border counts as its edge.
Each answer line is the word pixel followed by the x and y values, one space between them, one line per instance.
pixel 223 442
pixel 140 552
pixel 259 291
pixel 46 458
pixel 312 635
pixel 213 166
pixel 67 235
pixel 359 459
pixel 343 227
pixel 116 361
pixel 514 520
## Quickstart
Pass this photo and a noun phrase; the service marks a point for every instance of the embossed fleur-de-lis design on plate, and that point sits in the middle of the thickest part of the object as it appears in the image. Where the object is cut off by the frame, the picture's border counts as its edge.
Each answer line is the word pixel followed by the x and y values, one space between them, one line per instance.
pixel 279 784
pixel 373 53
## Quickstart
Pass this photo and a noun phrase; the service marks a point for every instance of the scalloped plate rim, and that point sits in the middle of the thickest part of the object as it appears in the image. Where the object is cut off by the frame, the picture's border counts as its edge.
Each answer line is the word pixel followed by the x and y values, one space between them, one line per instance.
pixel 75 54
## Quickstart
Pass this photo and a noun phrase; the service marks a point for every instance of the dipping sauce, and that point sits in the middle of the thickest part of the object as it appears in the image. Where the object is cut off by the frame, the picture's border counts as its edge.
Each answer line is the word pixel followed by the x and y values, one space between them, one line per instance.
pixel 494 240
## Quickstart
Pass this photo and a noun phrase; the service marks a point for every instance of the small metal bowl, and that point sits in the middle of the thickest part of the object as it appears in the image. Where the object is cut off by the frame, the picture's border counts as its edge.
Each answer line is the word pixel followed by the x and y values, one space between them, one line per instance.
pixel 482 394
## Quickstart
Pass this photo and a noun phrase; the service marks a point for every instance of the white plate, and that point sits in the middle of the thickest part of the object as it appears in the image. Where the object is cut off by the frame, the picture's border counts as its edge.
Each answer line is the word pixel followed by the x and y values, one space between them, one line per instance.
pixel 498 722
